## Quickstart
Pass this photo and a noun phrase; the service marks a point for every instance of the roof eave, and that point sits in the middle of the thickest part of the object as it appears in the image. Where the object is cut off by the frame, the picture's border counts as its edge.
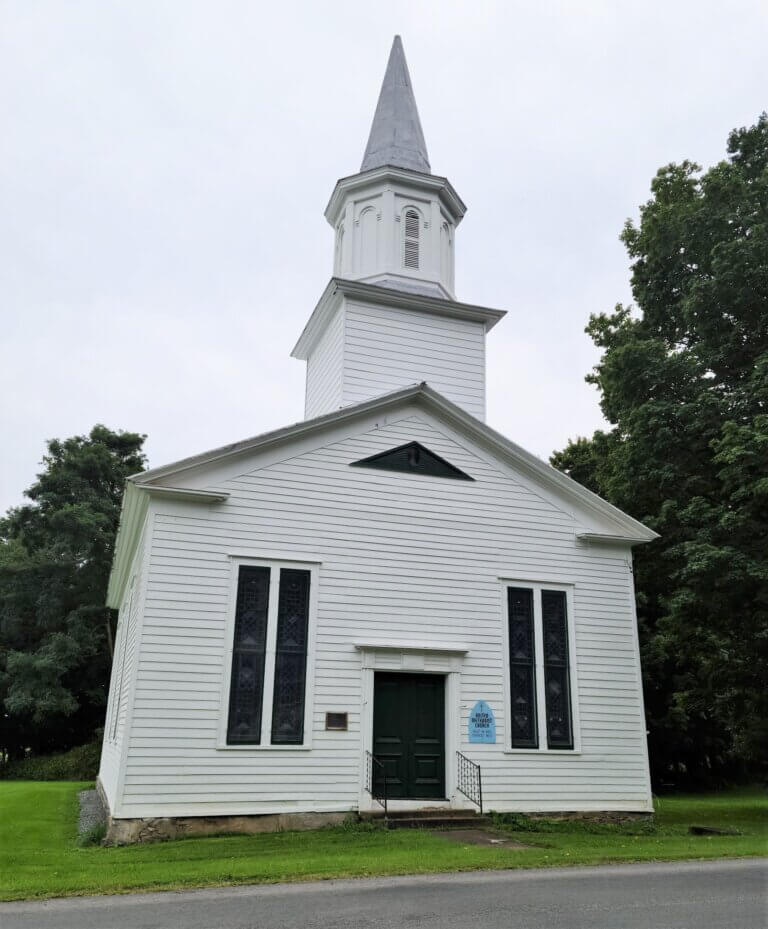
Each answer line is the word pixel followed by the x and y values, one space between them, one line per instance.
pixel 133 511
pixel 604 538
pixel 276 437
pixel 631 529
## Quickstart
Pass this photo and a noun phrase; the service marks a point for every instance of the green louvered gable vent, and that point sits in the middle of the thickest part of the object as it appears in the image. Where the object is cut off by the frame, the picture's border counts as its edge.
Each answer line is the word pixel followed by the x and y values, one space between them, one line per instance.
pixel 413 458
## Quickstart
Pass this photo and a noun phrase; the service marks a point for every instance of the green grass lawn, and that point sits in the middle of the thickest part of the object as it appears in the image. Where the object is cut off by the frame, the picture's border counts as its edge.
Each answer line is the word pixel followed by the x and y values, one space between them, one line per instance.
pixel 39 856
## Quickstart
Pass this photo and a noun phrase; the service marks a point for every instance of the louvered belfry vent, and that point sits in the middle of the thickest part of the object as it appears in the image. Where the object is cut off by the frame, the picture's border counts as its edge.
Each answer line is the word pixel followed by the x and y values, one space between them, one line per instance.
pixel 411 241
pixel 413 458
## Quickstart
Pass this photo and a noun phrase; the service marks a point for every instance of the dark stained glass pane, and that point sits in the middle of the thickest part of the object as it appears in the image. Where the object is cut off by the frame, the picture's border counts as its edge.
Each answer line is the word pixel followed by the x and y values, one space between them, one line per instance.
pixel 522 668
pixel 554 619
pixel 248 652
pixel 291 657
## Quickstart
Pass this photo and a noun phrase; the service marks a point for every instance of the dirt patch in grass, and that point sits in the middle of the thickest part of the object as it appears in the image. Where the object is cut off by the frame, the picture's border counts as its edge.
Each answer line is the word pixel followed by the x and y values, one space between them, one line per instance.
pixel 479 837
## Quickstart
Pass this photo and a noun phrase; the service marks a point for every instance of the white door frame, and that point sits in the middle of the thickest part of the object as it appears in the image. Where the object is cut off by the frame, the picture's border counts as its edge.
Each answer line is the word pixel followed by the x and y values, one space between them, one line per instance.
pixel 413 658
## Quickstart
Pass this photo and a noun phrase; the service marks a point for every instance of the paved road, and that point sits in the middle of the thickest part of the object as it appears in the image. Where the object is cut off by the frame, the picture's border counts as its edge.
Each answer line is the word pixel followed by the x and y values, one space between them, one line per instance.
pixel 688 895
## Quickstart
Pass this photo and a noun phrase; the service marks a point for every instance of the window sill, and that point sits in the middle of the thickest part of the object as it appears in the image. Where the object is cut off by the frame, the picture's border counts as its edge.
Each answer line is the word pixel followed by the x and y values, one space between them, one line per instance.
pixel 542 751
pixel 223 747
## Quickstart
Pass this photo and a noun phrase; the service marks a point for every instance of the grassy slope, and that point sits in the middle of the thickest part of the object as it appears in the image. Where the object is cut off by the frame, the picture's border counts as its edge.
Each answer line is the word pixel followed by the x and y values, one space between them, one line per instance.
pixel 38 855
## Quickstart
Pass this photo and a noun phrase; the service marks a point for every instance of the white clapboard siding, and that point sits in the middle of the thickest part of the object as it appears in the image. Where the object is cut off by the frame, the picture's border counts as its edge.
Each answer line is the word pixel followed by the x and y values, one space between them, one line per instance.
pixel 403 557
pixel 386 348
pixel 366 351
pixel 120 684
pixel 324 370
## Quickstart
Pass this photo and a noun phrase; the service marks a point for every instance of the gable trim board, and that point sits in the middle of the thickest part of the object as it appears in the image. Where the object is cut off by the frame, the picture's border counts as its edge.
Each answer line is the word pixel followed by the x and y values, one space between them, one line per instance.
pixel 627 531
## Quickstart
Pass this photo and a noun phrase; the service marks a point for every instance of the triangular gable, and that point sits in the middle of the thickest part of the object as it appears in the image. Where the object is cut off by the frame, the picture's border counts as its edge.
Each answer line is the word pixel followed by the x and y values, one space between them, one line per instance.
pixel 413 458
pixel 203 474
pixel 197 472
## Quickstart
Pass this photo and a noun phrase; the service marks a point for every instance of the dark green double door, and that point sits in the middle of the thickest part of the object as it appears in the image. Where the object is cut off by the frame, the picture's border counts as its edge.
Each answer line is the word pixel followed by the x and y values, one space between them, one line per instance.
pixel 409 733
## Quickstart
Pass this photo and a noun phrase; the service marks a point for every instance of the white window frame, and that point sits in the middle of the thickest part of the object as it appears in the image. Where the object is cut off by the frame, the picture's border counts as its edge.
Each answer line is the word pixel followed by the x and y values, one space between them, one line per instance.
pixel 274 565
pixel 541 706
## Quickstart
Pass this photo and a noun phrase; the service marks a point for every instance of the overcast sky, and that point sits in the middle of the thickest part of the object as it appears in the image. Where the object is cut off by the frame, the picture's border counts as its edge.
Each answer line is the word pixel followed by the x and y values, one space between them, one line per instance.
pixel 164 167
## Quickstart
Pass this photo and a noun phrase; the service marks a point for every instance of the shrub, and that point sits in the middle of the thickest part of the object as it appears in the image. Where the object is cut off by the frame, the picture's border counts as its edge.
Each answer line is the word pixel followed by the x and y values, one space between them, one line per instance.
pixel 93 836
pixel 78 764
pixel 353 823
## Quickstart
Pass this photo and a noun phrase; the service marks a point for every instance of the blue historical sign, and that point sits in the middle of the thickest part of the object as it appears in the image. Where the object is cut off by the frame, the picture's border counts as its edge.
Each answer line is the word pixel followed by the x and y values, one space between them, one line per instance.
pixel 482 723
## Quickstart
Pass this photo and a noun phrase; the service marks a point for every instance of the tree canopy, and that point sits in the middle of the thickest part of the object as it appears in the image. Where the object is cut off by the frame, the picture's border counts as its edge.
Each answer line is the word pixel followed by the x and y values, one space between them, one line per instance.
pixel 55 558
pixel 683 382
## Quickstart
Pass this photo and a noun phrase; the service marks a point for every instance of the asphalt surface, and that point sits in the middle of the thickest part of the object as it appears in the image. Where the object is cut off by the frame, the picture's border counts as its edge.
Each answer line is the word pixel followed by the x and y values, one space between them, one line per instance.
pixel 687 895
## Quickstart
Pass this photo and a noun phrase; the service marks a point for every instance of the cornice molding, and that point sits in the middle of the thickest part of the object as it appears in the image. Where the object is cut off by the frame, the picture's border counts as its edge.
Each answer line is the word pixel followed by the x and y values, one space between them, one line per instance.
pixel 185 493
pixel 412 179
pixel 604 538
pixel 410 645
pixel 339 288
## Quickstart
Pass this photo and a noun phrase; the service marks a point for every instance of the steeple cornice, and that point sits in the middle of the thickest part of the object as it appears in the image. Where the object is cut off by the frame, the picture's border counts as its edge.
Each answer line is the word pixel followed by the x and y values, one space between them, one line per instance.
pixel 338 289
pixel 445 191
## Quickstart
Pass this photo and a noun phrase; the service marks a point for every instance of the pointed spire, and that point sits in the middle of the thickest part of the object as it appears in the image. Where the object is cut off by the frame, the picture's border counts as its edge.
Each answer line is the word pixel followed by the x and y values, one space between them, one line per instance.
pixel 396 138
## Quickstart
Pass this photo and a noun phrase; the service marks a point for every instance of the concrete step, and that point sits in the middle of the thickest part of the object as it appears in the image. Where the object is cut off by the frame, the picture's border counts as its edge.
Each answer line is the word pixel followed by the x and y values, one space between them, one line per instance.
pixel 417 821
pixel 426 812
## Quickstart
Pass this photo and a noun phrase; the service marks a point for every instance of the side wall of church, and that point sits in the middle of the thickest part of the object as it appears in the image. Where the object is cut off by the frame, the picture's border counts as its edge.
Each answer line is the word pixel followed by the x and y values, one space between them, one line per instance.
pixel 121 690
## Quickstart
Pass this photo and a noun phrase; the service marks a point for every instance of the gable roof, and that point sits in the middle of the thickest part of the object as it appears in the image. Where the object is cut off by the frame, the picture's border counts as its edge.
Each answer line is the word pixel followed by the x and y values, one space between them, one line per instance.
pixel 168 480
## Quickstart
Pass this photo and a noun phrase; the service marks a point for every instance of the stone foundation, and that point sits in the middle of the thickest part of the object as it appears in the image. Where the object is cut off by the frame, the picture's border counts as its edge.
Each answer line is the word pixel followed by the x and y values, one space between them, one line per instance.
pixel 156 829
pixel 606 817
pixel 129 831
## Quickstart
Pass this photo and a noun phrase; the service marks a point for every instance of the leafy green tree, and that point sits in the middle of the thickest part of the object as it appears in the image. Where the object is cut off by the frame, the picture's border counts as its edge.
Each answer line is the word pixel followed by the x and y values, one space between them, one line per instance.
pixel 684 385
pixel 55 557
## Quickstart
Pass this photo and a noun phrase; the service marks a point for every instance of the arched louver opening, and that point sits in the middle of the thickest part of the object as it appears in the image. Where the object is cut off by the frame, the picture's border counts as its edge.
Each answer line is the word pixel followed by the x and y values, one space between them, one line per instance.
pixel 411 240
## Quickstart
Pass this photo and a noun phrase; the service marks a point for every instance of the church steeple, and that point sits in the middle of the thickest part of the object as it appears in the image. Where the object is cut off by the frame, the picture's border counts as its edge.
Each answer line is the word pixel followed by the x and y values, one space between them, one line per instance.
pixel 396 137
pixel 389 317
pixel 394 220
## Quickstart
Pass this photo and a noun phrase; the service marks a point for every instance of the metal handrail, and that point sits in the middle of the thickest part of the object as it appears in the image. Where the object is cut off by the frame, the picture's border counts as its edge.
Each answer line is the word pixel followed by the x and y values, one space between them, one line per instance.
pixel 470 780
pixel 373 768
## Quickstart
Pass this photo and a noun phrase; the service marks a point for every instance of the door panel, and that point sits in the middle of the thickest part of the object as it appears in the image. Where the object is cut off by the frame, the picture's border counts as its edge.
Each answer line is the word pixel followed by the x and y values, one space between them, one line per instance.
pixel 409 733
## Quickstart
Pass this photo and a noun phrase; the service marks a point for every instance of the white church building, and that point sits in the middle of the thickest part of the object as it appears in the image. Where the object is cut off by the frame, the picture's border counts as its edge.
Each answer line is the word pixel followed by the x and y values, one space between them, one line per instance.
pixel 388 602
